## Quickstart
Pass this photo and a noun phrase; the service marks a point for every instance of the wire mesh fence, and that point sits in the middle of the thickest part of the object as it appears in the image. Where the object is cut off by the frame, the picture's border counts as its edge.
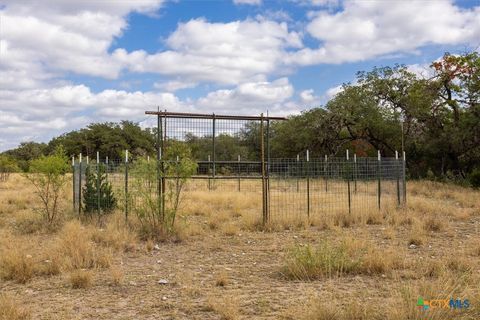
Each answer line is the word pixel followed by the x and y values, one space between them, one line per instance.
pixel 230 155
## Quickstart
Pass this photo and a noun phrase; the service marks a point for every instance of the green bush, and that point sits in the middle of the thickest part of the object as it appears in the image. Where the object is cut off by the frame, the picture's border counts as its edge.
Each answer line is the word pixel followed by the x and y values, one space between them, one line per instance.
pixel 48 175
pixel 474 178
pixel 157 214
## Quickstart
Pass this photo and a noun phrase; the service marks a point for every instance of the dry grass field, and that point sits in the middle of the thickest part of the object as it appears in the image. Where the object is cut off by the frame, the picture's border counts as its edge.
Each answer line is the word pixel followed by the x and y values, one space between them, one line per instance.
pixel 222 264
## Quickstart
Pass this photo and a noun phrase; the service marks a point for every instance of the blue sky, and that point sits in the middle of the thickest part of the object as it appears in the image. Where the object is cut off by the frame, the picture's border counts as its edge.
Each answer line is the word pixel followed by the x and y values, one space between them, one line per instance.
pixel 72 63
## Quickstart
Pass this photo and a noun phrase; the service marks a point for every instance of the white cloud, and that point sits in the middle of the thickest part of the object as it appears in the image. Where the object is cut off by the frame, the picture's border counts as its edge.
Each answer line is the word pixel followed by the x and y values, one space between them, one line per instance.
pixel 42 39
pixel 174 85
pixel 249 98
pixel 250 2
pixel 226 53
pixel 333 91
pixel 308 98
pixel 368 29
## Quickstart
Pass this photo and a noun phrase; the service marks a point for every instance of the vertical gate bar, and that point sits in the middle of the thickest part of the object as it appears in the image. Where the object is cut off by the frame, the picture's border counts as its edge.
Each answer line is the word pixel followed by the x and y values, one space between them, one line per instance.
pixel 262 152
pixel 79 183
pixel 126 185
pixel 159 157
pixel 308 185
pixel 298 172
pixel 213 146
pixel 348 184
pixel 162 172
pixel 404 179
pixel 379 176
pixel 268 168
pixel 397 167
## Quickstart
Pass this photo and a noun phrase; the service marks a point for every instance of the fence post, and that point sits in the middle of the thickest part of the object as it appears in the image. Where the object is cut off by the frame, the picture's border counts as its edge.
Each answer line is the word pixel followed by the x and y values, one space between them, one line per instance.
pixel 298 171
pixel 73 183
pixel 98 182
pixel 379 176
pixel 209 180
pixel 325 173
pixel 79 183
pixel 308 184
pixel 348 184
pixel 126 185
pixel 404 179
pixel 239 173
pixel 355 172
pixel 398 177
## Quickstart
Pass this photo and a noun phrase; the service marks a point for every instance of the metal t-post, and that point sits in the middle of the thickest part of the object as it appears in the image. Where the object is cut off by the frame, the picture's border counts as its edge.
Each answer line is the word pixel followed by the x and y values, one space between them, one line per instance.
pixel 98 183
pixel 397 166
pixel 308 184
pixel 126 185
pixel 379 176
pixel 348 184
pixel 404 179
pixel 79 184
pixel 73 183
pixel 325 173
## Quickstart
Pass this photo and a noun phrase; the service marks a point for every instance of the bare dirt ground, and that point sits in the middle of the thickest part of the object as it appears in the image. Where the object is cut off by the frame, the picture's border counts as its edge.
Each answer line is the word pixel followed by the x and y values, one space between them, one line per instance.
pixel 237 272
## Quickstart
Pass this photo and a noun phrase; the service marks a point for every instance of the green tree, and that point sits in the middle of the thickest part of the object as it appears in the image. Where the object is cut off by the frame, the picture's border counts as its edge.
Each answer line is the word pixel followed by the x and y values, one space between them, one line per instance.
pixel 98 196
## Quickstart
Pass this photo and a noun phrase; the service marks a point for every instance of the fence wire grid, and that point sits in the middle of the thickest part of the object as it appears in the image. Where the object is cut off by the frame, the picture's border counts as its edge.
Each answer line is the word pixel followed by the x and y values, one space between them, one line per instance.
pixel 232 155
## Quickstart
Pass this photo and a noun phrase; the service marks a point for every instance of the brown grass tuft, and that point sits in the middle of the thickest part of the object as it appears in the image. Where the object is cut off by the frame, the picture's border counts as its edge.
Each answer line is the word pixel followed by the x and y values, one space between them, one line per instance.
pixel 81 279
pixel 226 307
pixel 16 266
pixel 116 275
pixel 78 251
pixel 222 279
pixel 10 310
pixel 434 224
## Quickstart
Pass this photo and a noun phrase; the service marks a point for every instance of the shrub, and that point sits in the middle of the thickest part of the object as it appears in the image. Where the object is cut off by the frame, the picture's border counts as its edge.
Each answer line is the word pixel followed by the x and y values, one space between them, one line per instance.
pixel 47 174
pixel 474 178
pixel 157 213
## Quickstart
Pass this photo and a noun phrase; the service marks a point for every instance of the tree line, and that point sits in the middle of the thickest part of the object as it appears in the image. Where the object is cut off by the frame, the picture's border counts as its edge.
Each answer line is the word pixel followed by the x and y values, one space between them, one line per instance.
pixel 434 118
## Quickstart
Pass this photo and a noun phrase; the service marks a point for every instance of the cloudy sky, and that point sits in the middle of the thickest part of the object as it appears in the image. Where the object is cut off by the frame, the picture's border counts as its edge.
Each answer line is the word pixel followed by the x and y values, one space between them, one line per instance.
pixel 64 64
